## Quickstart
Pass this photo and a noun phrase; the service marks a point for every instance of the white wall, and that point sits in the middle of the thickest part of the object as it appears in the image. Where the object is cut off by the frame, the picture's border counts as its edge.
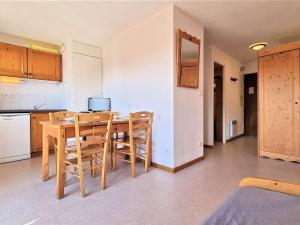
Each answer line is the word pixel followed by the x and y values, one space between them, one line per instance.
pixel 232 93
pixel 30 92
pixel 138 75
pixel 208 96
pixel 188 103
pixel 250 67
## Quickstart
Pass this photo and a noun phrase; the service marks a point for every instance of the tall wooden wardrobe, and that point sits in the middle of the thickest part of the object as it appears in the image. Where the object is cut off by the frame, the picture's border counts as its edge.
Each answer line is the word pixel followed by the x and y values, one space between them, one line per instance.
pixel 279 102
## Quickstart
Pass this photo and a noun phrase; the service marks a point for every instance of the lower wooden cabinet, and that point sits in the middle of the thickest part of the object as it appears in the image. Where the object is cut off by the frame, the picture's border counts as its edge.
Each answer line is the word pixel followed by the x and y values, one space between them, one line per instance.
pixel 37 131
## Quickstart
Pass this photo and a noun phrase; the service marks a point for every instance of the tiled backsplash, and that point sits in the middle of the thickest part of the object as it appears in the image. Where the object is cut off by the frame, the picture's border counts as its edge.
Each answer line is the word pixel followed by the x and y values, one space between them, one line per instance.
pixel 28 93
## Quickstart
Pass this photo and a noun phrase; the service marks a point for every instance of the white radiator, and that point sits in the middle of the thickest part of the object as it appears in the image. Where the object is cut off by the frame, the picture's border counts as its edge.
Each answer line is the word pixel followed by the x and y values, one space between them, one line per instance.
pixel 233 128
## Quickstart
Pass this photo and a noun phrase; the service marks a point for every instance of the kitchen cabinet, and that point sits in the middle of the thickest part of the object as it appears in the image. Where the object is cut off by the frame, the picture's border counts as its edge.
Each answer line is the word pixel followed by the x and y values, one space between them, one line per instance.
pixel 17 61
pixel 44 65
pixel 13 60
pixel 37 131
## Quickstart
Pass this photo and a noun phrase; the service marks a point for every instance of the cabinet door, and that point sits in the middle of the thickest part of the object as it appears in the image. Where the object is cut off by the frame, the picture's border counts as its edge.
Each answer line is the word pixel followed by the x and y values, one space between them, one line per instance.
pixel 279 103
pixel 37 131
pixel 13 60
pixel 44 65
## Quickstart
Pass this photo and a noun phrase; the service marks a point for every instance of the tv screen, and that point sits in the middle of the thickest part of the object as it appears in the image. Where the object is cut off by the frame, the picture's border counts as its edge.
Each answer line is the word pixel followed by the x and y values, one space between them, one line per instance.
pixel 99 104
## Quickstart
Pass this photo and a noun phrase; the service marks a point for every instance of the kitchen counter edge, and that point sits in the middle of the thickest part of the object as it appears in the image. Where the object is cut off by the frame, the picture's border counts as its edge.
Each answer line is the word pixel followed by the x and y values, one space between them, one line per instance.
pixel 31 110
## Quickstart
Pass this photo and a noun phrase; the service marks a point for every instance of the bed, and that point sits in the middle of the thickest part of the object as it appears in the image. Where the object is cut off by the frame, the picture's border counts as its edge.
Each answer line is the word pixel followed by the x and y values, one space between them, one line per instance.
pixel 259 202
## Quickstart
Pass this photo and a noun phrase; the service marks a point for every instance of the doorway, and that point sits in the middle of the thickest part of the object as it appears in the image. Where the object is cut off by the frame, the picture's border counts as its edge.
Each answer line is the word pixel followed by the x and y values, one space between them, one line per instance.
pixel 250 104
pixel 218 102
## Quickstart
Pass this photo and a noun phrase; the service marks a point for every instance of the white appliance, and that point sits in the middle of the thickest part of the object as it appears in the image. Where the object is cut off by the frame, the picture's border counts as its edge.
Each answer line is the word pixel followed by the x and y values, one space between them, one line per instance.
pixel 99 104
pixel 14 137
pixel 233 128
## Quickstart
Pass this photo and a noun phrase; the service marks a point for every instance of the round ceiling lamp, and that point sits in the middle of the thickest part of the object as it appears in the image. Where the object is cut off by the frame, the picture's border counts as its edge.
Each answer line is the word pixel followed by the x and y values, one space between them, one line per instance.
pixel 258 46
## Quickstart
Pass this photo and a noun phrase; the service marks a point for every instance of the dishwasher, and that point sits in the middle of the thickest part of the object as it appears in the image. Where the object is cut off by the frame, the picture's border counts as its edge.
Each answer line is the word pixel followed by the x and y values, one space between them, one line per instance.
pixel 14 137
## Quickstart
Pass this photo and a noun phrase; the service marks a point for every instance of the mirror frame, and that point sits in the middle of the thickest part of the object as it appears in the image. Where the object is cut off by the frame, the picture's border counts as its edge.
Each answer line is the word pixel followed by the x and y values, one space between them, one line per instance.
pixel 180 35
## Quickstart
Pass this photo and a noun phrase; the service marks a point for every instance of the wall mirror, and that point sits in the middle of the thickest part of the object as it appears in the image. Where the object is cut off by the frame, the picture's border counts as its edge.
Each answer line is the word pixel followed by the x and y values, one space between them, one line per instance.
pixel 188 53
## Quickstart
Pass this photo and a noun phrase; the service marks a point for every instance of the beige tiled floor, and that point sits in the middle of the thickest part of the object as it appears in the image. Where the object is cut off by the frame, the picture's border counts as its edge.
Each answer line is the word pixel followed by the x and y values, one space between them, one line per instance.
pixel 186 197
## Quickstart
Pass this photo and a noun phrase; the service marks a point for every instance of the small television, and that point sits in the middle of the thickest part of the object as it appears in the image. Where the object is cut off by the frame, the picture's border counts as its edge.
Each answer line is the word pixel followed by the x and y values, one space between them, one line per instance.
pixel 99 104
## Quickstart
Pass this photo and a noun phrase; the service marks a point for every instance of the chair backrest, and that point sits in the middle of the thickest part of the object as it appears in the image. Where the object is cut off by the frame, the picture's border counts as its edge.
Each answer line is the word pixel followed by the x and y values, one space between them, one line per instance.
pixel 60 116
pixel 115 114
pixel 93 128
pixel 140 125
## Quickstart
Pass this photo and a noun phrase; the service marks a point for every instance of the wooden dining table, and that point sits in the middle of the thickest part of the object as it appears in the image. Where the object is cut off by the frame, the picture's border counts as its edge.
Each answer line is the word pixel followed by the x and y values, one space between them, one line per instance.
pixel 61 130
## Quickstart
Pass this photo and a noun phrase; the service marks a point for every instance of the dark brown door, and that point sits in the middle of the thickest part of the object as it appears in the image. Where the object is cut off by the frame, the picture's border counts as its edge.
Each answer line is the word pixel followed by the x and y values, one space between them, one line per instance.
pixel 218 102
pixel 218 112
pixel 250 104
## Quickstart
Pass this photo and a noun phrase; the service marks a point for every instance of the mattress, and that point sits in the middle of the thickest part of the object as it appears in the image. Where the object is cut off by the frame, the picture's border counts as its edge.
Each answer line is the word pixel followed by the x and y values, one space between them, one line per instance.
pixel 256 206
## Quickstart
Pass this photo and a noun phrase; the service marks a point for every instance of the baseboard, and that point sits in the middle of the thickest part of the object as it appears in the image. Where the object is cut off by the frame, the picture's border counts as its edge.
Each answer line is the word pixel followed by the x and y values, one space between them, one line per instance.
pixel 162 167
pixel 233 138
pixel 178 168
pixel 39 153
pixel 208 146
pixel 272 155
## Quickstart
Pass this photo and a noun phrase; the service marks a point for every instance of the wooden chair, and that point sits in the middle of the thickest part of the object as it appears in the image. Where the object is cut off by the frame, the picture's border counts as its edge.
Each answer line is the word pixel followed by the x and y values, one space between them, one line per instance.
pixel 114 136
pixel 91 145
pixel 138 144
pixel 60 116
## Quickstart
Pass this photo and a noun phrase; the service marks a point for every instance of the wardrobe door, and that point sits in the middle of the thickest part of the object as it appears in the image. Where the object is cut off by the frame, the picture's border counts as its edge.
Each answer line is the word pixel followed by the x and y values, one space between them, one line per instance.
pixel 279 104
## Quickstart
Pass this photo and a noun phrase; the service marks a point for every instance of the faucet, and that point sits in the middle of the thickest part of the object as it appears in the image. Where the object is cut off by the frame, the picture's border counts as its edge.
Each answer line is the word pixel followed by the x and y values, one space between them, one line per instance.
pixel 38 106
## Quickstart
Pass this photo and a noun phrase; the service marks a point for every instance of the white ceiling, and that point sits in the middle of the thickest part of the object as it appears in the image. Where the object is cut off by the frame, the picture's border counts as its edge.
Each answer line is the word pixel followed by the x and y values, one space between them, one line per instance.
pixel 231 26
pixel 92 22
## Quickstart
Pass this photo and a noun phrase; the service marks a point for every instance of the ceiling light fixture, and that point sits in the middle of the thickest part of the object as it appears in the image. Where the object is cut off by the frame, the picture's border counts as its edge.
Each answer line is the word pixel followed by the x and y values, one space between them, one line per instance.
pixel 258 46
pixel 11 80
pixel 41 48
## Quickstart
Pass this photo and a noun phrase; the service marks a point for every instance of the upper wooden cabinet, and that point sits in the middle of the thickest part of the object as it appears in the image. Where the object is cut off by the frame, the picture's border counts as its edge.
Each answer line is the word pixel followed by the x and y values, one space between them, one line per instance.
pixel 44 65
pixel 13 60
pixel 16 61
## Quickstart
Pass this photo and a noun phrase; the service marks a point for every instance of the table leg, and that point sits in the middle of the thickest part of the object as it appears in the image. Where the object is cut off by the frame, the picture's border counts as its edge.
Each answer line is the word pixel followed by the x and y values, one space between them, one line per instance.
pixel 150 149
pixel 132 159
pixel 45 155
pixel 60 176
